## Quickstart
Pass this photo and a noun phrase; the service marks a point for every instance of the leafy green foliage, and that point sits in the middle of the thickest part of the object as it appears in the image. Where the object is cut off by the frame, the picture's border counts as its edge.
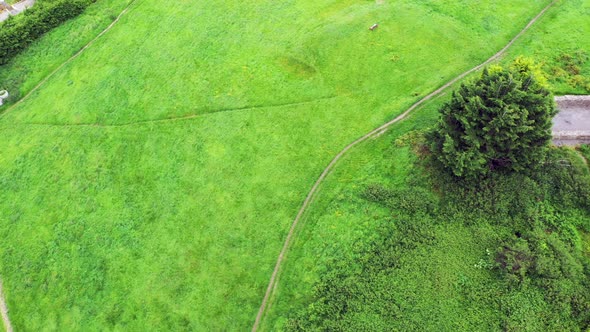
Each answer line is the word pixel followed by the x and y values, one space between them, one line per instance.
pixel 462 244
pixel 566 69
pixel 535 276
pixel 585 150
pixel 20 31
pixel 499 122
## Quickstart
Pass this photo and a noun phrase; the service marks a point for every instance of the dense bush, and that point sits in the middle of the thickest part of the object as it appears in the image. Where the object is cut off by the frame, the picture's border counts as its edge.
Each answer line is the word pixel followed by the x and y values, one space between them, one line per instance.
pixel 19 31
pixel 501 121
pixel 567 69
pixel 585 150
pixel 538 278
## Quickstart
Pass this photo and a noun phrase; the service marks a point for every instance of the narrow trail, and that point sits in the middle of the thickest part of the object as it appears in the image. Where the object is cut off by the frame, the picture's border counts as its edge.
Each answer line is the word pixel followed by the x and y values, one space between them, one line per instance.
pixel 4 311
pixel 272 285
pixel 173 119
pixel 84 48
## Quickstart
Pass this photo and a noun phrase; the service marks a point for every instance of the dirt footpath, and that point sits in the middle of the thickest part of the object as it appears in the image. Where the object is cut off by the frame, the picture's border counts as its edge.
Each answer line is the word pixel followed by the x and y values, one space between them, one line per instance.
pixel 4 311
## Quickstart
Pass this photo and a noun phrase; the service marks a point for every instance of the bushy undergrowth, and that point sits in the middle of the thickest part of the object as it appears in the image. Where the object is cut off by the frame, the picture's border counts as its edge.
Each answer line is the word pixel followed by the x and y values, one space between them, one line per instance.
pixel 534 274
pixel 566 69
pixel 585 150
pixel 20 31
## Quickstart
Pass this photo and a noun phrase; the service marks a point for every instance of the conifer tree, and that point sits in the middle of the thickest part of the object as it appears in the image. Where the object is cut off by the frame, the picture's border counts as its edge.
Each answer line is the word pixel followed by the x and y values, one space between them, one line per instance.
pixel 499 122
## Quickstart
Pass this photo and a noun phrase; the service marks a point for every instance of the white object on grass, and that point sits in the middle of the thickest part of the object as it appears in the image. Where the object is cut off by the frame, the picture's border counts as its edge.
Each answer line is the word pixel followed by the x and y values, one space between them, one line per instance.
pixel 3 95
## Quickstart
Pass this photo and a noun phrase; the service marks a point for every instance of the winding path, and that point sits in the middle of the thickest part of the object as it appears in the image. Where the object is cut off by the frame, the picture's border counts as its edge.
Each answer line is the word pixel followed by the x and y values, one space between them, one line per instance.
pixel 272 285
pixel 375 132
pixel 178 118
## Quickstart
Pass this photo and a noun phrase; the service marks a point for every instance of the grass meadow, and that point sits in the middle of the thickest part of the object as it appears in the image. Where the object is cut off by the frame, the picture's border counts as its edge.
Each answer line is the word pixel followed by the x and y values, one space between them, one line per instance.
pixel 341 220
pixel 151 181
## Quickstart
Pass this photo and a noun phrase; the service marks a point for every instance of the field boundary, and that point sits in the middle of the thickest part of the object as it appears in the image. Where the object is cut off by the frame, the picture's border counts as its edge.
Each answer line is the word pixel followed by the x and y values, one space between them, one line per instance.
pixel 44 80
pixel 272 285
pixel 178 118
pixel 4 311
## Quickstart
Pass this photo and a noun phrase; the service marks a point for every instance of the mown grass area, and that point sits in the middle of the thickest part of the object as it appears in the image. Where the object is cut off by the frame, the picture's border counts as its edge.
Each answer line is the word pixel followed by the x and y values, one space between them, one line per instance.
pixel 128 224
pixel 434 278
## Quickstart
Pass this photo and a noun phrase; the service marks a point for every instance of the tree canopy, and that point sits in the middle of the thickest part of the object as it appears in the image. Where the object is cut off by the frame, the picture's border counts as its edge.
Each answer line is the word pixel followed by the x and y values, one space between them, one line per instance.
pixel 498 122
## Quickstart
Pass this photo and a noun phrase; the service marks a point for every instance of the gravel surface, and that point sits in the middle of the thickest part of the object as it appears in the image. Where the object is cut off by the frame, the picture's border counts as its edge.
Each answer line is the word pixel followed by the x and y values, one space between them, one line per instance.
pixel 571 126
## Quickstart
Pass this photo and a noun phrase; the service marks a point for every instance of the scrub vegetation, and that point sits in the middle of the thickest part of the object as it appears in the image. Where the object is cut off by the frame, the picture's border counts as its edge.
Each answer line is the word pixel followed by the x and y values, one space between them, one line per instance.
pixel 534 274
pixel 505 253
pixel 559 44
pixel 151 181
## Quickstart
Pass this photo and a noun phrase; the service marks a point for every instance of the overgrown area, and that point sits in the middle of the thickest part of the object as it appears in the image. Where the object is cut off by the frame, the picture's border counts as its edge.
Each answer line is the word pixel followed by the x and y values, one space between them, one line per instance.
pixel 482 183
pixel 507 254
pixel 559 45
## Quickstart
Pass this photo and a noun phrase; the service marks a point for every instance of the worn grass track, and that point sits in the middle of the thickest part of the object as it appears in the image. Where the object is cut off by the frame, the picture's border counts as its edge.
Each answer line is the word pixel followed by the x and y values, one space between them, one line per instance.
pixel 4 311
pixel 72 58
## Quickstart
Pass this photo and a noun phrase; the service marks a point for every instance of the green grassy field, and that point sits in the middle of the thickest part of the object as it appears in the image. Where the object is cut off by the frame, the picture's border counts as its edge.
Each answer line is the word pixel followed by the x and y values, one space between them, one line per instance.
pixel 340 221
pixel 151 182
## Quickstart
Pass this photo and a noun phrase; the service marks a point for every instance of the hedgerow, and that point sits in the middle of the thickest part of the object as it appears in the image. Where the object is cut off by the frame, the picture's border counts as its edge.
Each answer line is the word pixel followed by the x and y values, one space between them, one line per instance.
pixel 21 30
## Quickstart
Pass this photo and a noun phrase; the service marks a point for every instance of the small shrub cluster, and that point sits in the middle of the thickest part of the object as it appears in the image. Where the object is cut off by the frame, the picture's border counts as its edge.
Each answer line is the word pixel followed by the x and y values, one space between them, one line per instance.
pixel 414 201
pixel 548 261
pixel 350 291
pixel 566 68
pixel 519 197
pixel 20 31
pixel 585 150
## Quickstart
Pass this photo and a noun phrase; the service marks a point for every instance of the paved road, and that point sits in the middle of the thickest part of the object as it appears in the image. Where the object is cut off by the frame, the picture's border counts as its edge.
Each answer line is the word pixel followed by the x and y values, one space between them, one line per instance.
pixel 17 8
pixel 571 126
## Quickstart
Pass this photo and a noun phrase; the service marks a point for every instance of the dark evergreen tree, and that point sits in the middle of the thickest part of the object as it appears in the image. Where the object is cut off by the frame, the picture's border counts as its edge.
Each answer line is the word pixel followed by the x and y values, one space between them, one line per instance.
pixel 499 122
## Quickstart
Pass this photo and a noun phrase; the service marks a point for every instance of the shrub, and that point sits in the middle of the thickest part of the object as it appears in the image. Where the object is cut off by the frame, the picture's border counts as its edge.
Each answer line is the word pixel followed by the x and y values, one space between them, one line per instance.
pixel 515 259
pixel 499 122
pixel 20 31
pixel 410 201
